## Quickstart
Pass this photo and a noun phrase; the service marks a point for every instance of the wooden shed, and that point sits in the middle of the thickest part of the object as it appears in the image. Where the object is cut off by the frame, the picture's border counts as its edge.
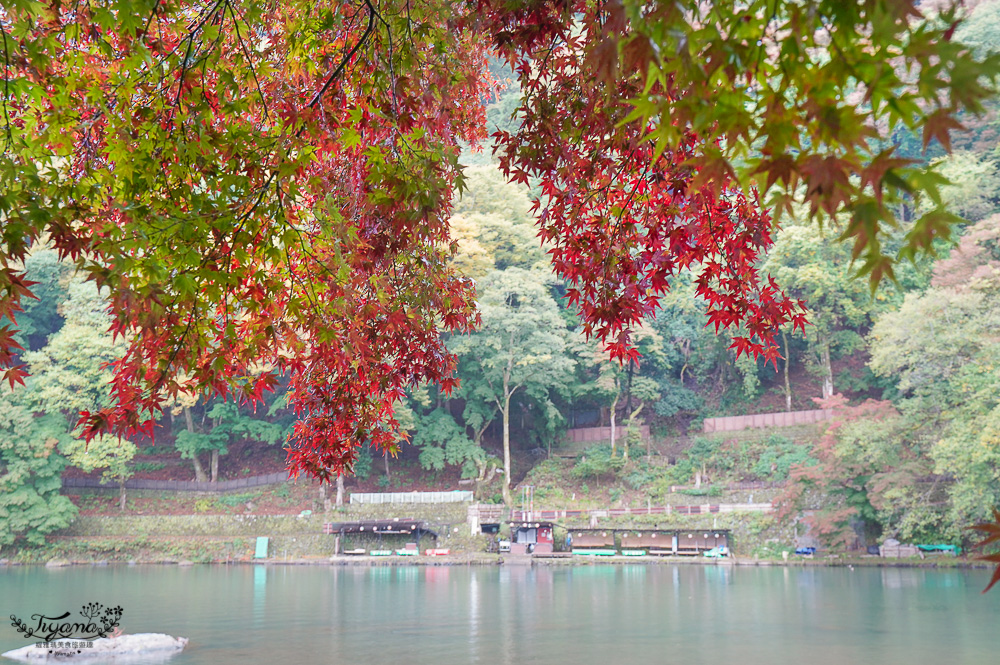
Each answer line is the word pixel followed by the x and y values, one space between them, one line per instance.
pixel 645 541
pixel 398 529
pixel 593 541
pixel 531 537
pixel 692 542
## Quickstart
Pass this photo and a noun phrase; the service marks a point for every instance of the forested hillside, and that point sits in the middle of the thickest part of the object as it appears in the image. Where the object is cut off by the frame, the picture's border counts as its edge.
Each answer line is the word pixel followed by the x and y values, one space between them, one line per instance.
pixel 911 369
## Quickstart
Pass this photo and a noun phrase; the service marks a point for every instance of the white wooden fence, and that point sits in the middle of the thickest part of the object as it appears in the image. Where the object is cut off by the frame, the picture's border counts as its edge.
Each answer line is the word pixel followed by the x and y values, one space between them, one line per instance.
pixel 457 496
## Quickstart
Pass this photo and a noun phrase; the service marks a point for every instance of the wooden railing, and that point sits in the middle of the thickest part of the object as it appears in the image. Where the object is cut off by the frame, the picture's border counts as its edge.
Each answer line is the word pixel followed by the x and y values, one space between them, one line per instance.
pixel 702 509
pixel 181 485
pixel 764 420
pixel 599 434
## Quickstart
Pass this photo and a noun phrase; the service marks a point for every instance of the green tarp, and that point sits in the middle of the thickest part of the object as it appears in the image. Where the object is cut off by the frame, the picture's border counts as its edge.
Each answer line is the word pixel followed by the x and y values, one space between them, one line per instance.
pixel 261 551
pixel 940 548
pixel 595 552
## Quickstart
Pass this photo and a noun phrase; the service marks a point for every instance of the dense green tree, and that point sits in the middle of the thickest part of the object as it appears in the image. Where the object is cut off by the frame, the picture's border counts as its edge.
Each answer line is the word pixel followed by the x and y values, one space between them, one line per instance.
pixel 493 226
pixel 70 374
pixel 108 454
pixel 30 475
pixel 520 347
pixel 442 441
pixel 41 317
pixel 814 268
pixel 615 385
pixel 223 424
pixel 943 350
pixel 973 192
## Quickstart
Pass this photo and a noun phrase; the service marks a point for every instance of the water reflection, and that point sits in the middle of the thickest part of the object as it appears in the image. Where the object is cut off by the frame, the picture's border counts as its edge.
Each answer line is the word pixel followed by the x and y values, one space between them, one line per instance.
pixel 259 595
pixel 899 578
pixel 529 614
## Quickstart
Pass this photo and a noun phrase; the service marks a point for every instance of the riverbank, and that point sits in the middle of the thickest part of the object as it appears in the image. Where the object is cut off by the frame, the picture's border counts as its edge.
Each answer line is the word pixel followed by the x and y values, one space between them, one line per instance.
pixel 485 559
pixel 298 539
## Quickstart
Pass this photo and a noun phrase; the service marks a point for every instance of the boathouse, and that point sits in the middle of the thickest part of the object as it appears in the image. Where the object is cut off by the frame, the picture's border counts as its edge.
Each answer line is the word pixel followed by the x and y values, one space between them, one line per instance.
pixel 593 542
pixel 377 535
pixel 531 538
pixel 639 542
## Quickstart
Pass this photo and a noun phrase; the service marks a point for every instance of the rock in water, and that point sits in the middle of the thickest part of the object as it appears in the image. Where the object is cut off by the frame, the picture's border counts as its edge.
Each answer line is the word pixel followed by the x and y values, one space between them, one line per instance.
pixel 144 647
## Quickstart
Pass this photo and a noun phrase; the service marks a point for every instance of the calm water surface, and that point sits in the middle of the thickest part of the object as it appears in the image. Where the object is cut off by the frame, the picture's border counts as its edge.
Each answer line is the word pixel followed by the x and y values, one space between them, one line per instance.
pixel 598 614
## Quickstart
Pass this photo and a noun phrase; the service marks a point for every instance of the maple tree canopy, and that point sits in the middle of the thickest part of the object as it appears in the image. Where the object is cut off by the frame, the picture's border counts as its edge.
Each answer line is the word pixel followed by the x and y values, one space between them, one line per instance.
pixel 264 186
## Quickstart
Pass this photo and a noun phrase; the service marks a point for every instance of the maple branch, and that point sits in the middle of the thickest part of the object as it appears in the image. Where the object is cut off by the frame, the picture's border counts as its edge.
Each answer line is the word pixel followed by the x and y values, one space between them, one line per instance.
pixel 343 63
pixel 249 56
pixel 149 21
pixel 8 135
pixel 190 40
pixel 175 351
pixel 392 72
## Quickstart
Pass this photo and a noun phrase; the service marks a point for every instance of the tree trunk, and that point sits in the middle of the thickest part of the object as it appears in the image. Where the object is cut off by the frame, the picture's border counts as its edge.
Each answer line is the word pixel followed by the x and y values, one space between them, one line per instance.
pixel 631 419
pixel 121 495
pixel 340 490
pixel 215 465
pixel 385 457
pixel 507 498
pixel 827 369
pixel 484 467
pixel 614 441
pixel 199 470
pixel 324 499
pixel 788 359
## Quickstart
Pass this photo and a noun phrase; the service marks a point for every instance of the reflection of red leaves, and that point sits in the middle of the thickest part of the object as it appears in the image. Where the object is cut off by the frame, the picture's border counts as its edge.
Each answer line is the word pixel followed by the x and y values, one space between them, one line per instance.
pixel 992 531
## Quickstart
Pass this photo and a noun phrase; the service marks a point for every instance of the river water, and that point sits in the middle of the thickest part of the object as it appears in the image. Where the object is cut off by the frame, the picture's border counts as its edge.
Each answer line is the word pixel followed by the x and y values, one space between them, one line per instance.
pixel 595 614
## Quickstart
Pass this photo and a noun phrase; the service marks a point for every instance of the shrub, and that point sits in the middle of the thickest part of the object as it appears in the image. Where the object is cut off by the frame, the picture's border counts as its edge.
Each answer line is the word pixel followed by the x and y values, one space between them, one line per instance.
pixel 597 462
pixel 640 477
pixel 233 500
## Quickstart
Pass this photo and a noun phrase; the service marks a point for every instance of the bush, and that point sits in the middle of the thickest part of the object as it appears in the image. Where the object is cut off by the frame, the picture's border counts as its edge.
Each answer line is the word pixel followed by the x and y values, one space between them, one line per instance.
pixel 597 462
pixel 778 456
pixel 233 500
pixel 639 478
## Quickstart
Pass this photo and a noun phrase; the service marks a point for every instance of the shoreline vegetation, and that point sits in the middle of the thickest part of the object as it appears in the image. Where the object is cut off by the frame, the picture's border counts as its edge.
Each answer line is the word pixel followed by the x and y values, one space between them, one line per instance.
pixel 757 538
pixel 485 559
